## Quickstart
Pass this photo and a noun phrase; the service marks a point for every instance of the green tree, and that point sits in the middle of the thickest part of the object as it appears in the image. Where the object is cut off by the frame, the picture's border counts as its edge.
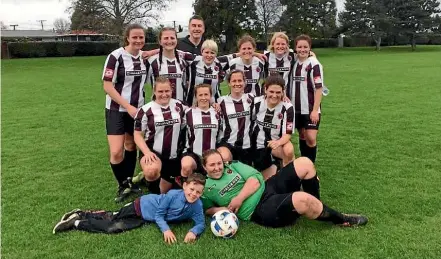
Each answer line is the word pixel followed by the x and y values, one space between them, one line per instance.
pixel 367 17
pixel 228 18
pixel 413 17
pixel 268 13
pixel 313 17
pixel 120 13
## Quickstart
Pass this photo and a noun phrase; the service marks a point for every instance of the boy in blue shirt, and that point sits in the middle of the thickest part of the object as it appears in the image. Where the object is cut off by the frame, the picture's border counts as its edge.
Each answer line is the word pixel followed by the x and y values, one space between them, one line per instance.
pixel 176 205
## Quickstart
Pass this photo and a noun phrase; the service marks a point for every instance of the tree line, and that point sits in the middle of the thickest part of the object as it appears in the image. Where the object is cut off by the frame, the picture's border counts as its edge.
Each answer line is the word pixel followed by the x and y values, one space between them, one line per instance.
pixel 228 19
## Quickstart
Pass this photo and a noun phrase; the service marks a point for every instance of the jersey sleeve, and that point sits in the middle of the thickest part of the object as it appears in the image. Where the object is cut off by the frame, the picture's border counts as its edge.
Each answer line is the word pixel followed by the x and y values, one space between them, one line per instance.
pixel 141 121
pixel 161 212
pixel 198 219
pixel 188 57
pixel 288 121
pixel 110 66
pixel 223 60
pixel 317 75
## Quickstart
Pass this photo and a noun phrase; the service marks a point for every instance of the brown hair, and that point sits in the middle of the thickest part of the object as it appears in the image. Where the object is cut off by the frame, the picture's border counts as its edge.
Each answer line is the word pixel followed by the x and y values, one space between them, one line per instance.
pixel 161 80
pixel 196 17
pixel 208 153
pixel 244 39
pixel 129 28
pixel 235 71
pixel 275 80
pixel 303 37
pixel 196 178
pixel 275 36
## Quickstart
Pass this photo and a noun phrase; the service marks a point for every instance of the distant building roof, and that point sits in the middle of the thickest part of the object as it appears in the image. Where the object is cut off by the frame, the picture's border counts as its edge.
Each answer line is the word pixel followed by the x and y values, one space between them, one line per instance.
pixel 28 34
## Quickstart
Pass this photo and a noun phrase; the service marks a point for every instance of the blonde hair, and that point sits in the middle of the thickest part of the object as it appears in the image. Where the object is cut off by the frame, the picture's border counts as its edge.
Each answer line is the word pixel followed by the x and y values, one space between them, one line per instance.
pixel 275 36
pixel 211 45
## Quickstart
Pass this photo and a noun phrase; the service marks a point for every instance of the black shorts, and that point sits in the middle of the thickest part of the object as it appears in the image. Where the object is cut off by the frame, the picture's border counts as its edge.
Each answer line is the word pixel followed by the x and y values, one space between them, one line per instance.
pixel 243 155
pixel 170 168
pixel 263 159
pixel 119 123
pixel 197 159
pixel 303 121
pixel 275 208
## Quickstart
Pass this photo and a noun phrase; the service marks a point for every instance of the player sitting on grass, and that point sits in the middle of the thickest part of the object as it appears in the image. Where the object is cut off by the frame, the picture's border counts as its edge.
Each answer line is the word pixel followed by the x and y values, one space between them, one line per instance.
pixel 278 202
pixel 176 205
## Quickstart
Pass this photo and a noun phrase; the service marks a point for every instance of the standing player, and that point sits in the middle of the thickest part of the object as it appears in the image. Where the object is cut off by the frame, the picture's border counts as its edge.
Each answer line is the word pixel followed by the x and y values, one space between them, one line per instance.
pixel 202 125
pixel 170 63
pixel 280 58
pixel 273 125
pixel 157 135
pixel 193 42
pixel 235 141
pixel 124 77
pixel 306 96
pixel 251 65
pixel 207 69
pixel 278 202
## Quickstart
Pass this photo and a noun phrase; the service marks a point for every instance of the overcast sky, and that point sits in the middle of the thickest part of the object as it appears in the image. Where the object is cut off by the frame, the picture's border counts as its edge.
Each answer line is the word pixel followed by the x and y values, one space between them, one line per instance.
pixel 26 13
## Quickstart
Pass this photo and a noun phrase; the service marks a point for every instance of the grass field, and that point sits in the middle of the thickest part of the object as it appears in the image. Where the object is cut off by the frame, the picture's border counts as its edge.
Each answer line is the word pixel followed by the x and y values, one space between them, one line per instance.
pixel 379 154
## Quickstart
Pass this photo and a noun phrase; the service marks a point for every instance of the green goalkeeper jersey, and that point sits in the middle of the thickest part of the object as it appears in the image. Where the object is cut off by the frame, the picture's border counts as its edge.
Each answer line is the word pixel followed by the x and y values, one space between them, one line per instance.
pixel 220 192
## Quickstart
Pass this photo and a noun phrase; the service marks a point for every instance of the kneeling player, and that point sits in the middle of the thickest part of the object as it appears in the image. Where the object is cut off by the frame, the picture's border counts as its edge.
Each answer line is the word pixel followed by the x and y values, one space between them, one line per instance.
pixel 278 202
pixel 176 205
pixel 273 125
pixel 202 126
pixel 157 135
pixel 235 142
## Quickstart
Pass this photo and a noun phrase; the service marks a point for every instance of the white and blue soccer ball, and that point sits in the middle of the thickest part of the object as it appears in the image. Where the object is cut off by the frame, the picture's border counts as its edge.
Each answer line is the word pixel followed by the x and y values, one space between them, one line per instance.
pixel 224 224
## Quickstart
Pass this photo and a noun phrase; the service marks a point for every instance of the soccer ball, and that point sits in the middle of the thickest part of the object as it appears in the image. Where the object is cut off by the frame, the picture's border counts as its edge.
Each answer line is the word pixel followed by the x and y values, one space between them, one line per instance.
pixel 224 224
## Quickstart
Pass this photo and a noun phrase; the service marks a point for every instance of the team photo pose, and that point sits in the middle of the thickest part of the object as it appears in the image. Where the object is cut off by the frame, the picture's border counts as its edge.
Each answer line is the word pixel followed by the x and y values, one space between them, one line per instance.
pixel 235 138
pixel 157 134
pixel 277 202
pixel 250 63
pixel 273 123
pixel 207 69
pixel 124 76
pixel 306 95
pixel 170 63
pixel 280 58
pixel 175 206
pixel 202 127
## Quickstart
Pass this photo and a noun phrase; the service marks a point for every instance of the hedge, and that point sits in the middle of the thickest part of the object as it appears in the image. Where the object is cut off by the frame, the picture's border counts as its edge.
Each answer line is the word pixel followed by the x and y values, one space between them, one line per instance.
pixel 63 49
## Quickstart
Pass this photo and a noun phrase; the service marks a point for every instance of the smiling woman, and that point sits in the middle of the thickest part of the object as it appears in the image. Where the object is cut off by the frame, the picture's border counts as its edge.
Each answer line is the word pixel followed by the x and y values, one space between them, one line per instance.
pixel 124 76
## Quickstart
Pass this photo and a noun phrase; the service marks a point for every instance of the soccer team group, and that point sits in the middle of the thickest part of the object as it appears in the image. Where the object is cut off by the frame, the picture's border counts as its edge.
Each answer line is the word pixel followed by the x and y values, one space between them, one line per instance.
pixel 202 151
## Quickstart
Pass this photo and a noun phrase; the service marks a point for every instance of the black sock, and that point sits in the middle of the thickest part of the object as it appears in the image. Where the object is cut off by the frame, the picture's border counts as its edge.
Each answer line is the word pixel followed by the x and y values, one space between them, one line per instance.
pixel 312 152
pixel 118 172
pixel 130 163
pixel 302 147
pixel 153 186
pixel 312 186
pixel 331 215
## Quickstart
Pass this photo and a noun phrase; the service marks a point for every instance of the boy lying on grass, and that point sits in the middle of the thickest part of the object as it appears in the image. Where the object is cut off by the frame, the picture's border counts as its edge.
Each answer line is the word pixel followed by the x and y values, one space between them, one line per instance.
pixel 175 206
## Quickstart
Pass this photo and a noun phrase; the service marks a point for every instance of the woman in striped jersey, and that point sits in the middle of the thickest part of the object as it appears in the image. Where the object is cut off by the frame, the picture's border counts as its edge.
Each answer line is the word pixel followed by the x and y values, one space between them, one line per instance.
pixel 234 138
pixel 207 69
pixel 170 63
pixel 202 125
pixel 157 134
pixel 280 58
pixel 273 122
pixel 306 95
pixel 124 77
pixel 250 63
